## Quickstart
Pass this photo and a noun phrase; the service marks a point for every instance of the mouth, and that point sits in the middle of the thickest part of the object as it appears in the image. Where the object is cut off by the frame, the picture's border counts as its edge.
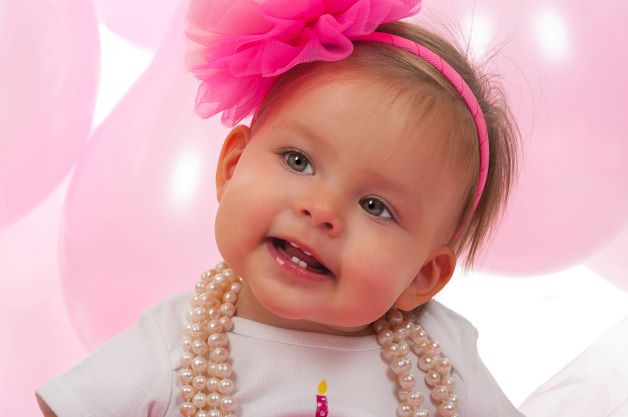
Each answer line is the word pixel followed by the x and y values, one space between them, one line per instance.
pixel 299 257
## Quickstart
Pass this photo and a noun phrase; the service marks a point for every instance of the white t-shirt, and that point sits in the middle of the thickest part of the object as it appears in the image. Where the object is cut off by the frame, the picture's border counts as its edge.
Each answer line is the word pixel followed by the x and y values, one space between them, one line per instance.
pixel 276 371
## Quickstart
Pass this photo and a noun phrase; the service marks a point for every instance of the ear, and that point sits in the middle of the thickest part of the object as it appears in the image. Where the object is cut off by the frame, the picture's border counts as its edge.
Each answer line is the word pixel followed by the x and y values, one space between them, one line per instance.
pixel 232 149
pixel 432 277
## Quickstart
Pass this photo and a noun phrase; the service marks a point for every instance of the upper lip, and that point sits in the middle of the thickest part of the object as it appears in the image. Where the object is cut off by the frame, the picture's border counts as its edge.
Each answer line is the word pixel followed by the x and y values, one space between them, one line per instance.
pixel 307 248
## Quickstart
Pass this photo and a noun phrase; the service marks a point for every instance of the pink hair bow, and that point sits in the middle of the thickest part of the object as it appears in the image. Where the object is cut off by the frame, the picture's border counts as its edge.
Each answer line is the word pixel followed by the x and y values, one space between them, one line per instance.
pixel 243 45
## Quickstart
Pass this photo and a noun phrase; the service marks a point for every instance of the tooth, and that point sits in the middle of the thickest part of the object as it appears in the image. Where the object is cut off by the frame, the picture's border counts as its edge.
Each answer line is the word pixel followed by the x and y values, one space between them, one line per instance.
pixel 306 252
pixel 294 244
pixel 302 264
pixel 295 260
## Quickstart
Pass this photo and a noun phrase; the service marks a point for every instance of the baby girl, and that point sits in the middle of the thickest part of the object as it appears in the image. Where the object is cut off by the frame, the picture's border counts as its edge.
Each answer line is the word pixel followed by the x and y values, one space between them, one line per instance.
pixel 377 155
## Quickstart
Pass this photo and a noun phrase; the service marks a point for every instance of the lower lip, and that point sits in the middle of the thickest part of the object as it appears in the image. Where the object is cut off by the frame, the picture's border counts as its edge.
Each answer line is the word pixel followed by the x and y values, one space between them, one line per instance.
pixel 287 264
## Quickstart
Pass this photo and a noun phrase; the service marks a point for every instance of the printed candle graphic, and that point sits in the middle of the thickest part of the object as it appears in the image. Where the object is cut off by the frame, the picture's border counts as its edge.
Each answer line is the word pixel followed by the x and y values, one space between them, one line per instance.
pixel 321 400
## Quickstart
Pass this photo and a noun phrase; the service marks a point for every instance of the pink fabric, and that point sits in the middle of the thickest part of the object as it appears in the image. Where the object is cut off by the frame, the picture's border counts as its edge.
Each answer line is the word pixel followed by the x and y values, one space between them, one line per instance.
pixel 250 42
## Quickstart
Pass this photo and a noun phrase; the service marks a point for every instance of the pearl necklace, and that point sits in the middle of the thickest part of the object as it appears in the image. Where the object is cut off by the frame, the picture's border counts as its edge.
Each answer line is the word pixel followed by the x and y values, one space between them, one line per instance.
pixel 206 385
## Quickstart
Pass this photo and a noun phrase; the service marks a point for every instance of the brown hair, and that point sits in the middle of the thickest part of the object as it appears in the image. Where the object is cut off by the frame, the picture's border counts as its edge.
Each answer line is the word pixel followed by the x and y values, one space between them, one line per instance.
pixel 409 74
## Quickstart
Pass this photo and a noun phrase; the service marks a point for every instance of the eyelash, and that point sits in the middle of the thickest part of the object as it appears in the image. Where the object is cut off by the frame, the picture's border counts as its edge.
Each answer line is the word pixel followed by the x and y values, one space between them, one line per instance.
pixel 284 153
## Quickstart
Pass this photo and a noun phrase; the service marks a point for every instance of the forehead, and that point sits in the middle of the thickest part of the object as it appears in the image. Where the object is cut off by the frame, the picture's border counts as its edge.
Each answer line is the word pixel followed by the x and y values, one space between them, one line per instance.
pixel 377 121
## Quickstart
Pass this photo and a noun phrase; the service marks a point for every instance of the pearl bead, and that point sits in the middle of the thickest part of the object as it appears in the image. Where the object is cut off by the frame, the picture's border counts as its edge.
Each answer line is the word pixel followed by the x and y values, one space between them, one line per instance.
pixel 214 326
pixel 197 315
pixel 228 309
pixel 432 378
pixel 215 413
pixel 391 351
pixel 400 366
pixel 421 412
pixel 409 326
pixel 187 409
pixel 449 383
pixel 217 340
pixel 219 354
pixel 187 392
pixel 447 409
pixel 201 413
pixel 195 330
pixel 213 399
pixel 226 323
pixel 229 297
pixel 394 317
pixel 418 348
pixel 385 337
pixel 404 348
pixel 221 266
pixel 220 280
pixel 199 346
pixel 443 366
pixel 214 313
pixel 199 364
pixel 223 370
pixel 404 410
pixel 440 393
pixel 199 400
pixel 414 398
pixel 211 369
pixel 425 363
pixel 228 404
pixel 454 399
pixel 213 384
pixel 226 386
pixel 199 288
pixel 186 358
pixel 235 287
pixel 380 325
pixel 185 376
pixel 432 348
pixel 199 382
pixel 403 394
pixel 418 336
pixel 400 334
pixel 407 381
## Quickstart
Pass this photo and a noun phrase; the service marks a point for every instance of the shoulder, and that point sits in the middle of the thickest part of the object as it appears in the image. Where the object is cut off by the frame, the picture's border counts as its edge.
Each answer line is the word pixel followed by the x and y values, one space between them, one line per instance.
pixel 458 338
pixel 130 374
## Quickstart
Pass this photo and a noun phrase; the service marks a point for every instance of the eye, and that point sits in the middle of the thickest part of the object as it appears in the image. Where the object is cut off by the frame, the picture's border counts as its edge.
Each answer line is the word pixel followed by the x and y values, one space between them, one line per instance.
pixel 297 162
pixel 375 207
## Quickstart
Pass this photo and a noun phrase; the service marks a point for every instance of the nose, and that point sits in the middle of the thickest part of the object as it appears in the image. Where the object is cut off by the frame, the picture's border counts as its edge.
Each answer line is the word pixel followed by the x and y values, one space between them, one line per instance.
pixel 322 209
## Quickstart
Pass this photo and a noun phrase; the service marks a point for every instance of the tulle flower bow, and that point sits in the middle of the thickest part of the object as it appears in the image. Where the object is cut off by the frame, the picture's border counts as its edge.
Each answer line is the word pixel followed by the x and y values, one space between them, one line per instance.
pixel 240 46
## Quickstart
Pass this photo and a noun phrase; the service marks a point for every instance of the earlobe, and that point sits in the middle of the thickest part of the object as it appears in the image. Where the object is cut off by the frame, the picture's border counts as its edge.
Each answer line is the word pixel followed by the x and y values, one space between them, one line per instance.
pixel 433 276
pixel 232 149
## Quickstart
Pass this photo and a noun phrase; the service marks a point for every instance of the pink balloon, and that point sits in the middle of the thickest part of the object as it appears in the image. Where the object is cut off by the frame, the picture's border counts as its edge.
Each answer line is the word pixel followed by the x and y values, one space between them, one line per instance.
pixel 49 57
pixel 142 22
pixel 38 341
pixel 611 262
pixel 565 71
pixel 138 219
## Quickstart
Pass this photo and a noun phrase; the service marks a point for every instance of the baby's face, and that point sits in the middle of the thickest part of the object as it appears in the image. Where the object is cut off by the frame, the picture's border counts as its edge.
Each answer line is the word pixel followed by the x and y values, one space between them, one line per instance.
pixel 330 211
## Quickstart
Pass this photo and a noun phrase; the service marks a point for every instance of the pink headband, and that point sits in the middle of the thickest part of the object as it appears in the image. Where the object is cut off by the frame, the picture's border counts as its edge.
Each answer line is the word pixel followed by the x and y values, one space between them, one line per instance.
pixel 242 46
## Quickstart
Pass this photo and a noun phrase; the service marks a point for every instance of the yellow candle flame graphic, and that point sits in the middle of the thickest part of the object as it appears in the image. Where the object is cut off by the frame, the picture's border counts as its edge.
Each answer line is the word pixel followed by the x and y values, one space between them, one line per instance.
pixel 322 387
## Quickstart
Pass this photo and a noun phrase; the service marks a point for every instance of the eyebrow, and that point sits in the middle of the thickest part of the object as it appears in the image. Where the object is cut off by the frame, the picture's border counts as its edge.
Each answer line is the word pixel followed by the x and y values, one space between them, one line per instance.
pixel 310 133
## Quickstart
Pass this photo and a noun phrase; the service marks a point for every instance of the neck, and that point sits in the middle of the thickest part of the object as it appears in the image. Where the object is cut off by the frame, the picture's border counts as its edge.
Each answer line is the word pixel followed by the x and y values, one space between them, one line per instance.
pixel 247 307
